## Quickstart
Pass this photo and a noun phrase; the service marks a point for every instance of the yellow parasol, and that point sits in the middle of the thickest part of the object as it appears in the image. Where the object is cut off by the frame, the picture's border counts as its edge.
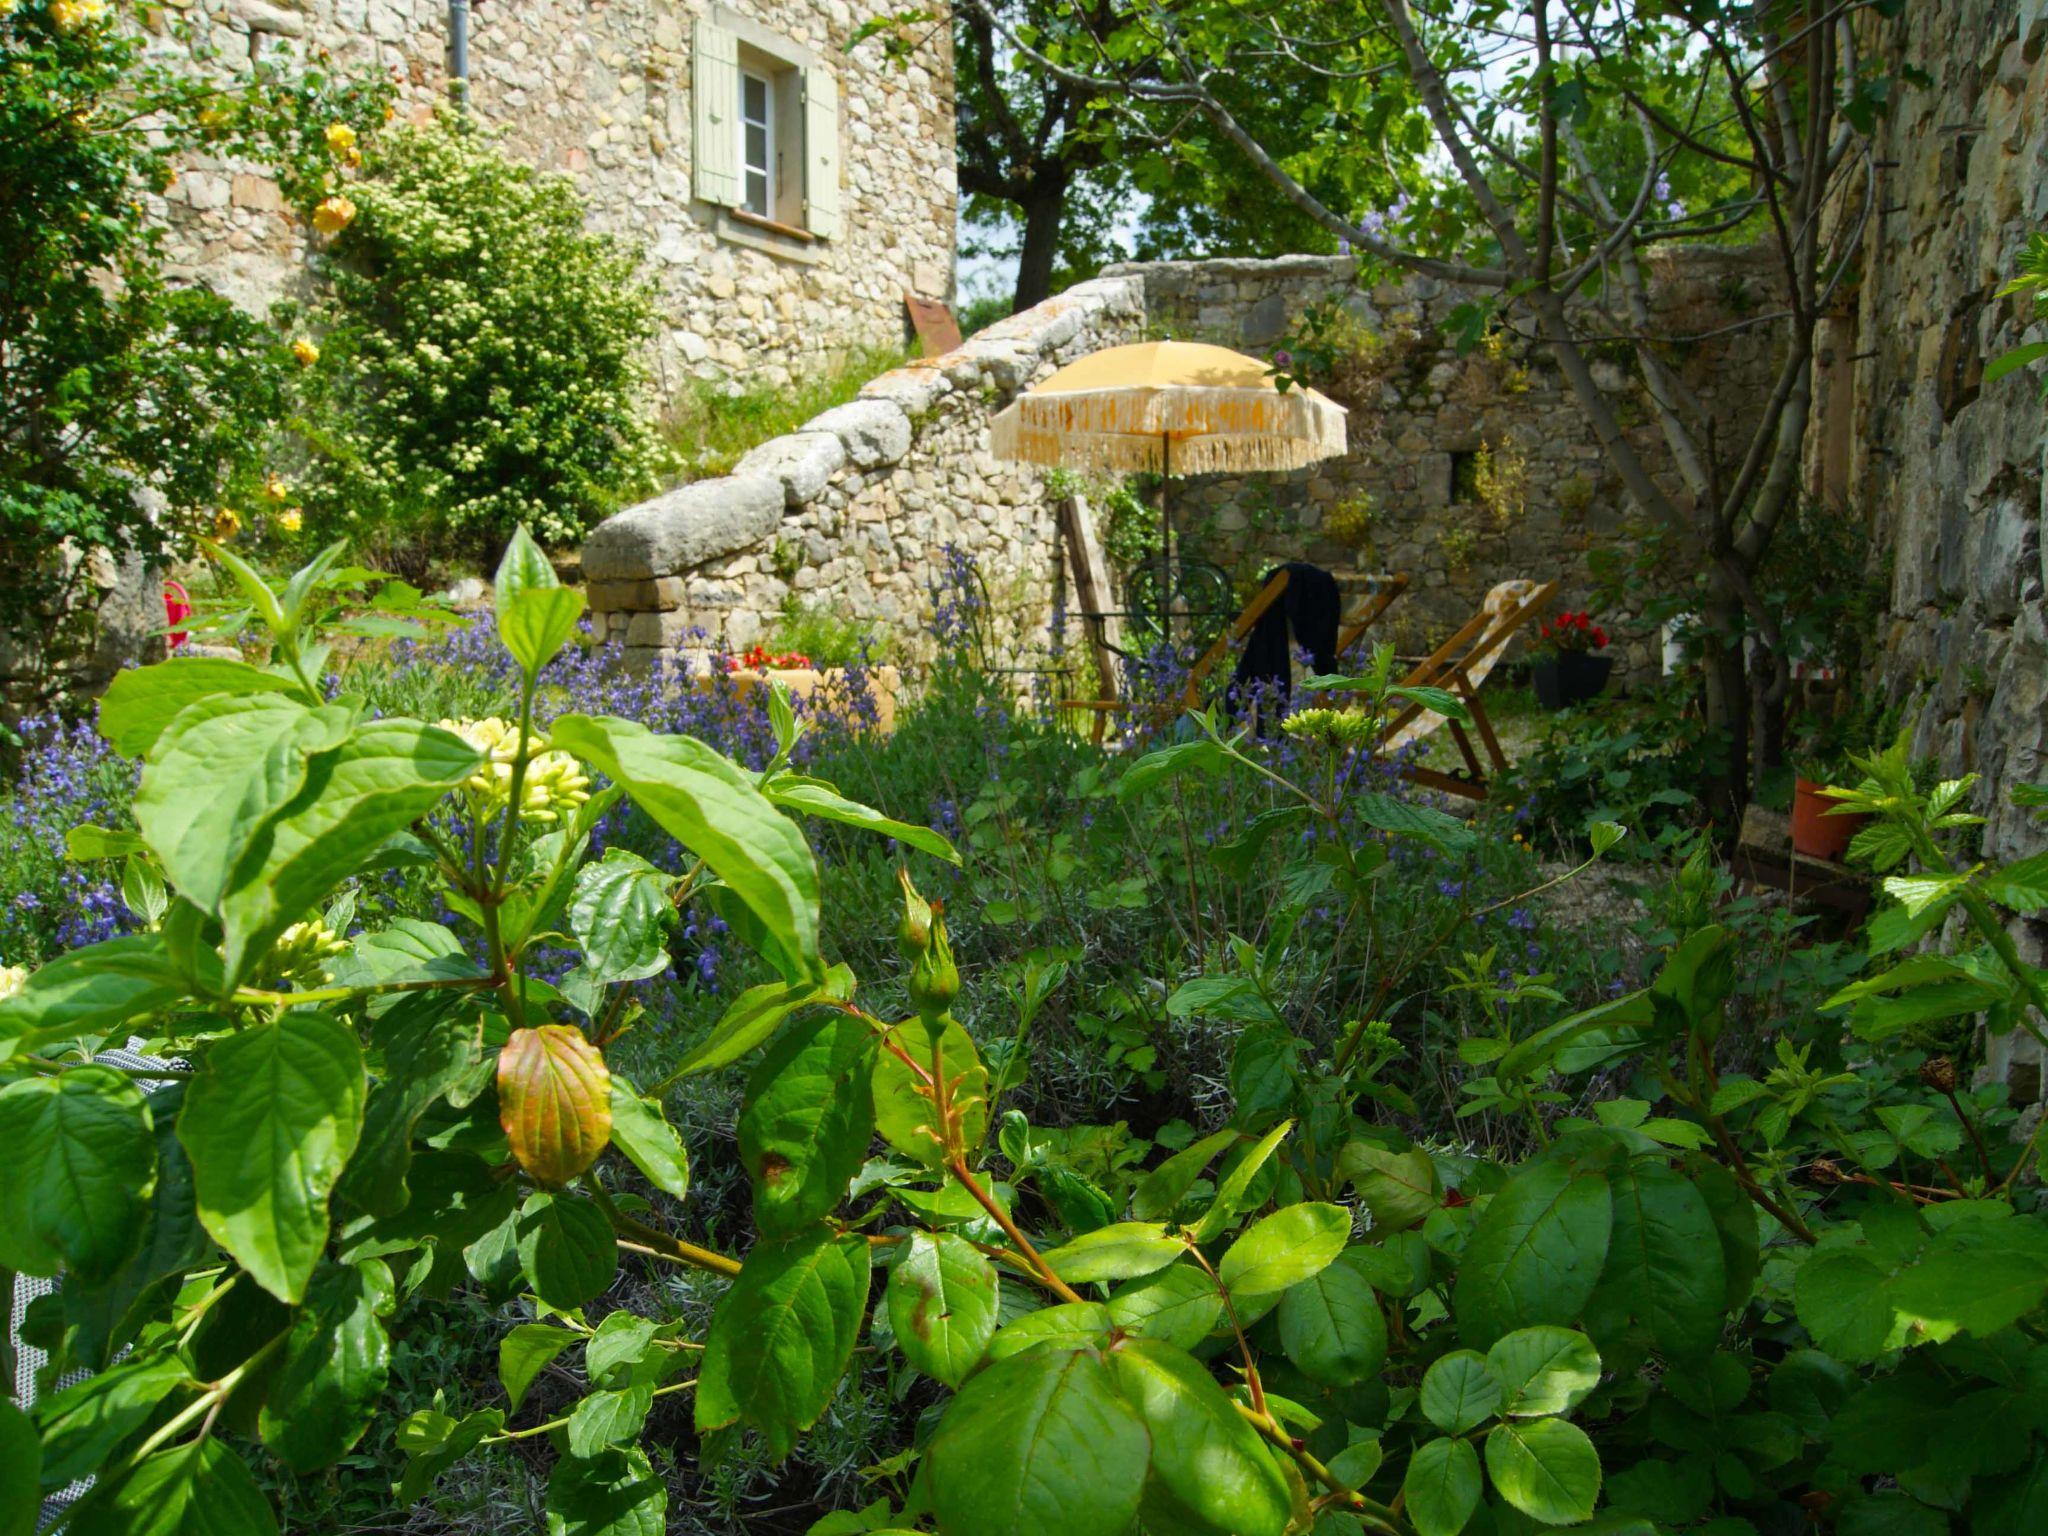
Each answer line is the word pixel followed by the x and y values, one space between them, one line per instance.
pixel 1172 407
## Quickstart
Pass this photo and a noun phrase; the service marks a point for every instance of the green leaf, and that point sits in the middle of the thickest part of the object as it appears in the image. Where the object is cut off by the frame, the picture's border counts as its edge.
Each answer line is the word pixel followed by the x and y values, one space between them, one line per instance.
pixel 1422 823
pixel 1210 1469
pixel 554 1101
pixel 811 798
pixel 219 773
pixel 1546 1468
pixel 385 777
pixel 1664 1272
pixel 1179 1306
pixel 1284 1249
pixel 141 703
pixel 524 1353
pixel 1332 1328
pixel 942 1305
pixel 1544 1370
pixel 81 1165
pixel 89 991
pixel 615 1493
pixel 904 1114
pixel 756 1014
pixel 429 1050
pixel 1604 835
pixel 1203 756
pixel 433 1443
pixel 1037 1443
pixel 642 1132
pixel 1236 1184
pixel 336 1361
pixel 20 1473
pixel 809 1114
pixel 523 568
pixel 269 1123
pixel 622 1340
pixel 2023 886
pixel 85 1423
pixel 609 1417
pixel 1535 1253
pixel 714 809
pixel 1069 1325
pixel 1459 1392
pixel 1123 1250
pixel 619 913
pixel 1441 1487
pixel 200 1488
pixel 83 845
pixel 1538 1050
pixel 2014 359
pixel 1399 1188
pixel 566 1248
pixel 536 624
pixel 782 1335
pixel 1167 1185
pixel 1844 1301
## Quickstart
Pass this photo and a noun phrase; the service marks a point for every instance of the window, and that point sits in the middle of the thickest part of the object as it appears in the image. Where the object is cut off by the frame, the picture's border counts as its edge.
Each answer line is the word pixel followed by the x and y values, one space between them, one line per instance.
pixel 757 144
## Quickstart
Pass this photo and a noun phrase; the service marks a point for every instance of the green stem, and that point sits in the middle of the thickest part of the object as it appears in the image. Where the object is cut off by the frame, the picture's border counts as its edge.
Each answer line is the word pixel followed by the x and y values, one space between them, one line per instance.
pixel 1374 1514
pixel 643 1238
pixel 541 1429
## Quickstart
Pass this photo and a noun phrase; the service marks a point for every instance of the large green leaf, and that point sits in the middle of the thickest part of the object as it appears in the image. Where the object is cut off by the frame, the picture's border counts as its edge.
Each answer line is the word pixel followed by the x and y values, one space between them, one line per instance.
pixel 334 1368
pixel 1546 1468
pixel 782 1335
pixel 807 1120
pixel 1535 1253
pixel 140 704
pixel 1039 1443
pixel 756 1014
pixel 1332 1328
pixel 1543 1370
pixel 566 1248
pixel 1441 1487
pixel 84 1424
pixel 1068 1325
pixel 810 797
pixel 429 1048
pixel 642 1132
pixel 20 1472
pixel 1233 1187
pixel 433 1442
pixel 1664 1273
pixel 81 1165
pixel 1282 1250
pixel 615 1493
pixel 904 1112
pixel 714 809
pixel 527 1351
pixel 536 624
pixel 1210 1469
pixel 89 991
pixel 942 1305
pixel 200 1488
pixel 269 1124
pixel 619 914
pixel 1180 1305
pixel 1120 1251
pixel 219 773
pixel 1459 1392
pixel 381 780
pixel 1408 819
pixel 1399 1188
pixel 1167 1185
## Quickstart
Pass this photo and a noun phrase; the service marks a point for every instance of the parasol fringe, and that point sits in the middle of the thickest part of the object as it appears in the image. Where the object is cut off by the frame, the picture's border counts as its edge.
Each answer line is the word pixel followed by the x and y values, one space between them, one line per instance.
pixel 1114 433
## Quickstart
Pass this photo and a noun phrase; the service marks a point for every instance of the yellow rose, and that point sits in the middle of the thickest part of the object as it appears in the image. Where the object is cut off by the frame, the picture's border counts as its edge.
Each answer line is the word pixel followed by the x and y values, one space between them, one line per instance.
pixel 306 352
pixel 226 524
pixel 340 138
pixel 12 979
pixel 290 519
pixel 276 489
pixel 68 14
pixel 334 215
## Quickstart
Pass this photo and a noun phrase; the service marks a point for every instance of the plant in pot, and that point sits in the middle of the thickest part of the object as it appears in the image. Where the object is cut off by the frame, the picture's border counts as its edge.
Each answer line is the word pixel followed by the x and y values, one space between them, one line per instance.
pixel 1566 667
pixel 1821 828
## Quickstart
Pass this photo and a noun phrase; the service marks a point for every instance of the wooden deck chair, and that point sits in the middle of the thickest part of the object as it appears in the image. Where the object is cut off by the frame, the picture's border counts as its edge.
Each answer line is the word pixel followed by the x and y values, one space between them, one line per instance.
pixel 1460 665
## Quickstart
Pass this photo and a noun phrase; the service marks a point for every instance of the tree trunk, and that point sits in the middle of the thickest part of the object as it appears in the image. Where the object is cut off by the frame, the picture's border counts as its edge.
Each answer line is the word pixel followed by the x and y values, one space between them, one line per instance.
pixel 1043 206
pixel 1726 788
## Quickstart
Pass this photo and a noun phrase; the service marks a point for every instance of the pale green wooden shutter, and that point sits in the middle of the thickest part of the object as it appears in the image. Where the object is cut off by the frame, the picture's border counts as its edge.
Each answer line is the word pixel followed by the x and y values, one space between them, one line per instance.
pixel 821 155
pixel 715 92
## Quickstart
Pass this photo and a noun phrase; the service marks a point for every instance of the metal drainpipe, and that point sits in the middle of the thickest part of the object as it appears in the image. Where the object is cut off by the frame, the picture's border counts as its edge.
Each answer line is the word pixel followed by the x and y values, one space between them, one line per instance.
pixel 458 52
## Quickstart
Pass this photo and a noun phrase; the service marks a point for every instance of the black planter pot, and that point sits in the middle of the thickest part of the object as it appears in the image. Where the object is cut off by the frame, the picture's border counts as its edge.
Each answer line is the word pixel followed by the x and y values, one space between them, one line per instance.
pixel 1570 678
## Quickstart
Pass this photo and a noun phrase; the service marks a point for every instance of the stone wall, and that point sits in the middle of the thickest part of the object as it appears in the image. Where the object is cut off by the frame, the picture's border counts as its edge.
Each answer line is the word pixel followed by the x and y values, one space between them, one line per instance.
pixel 601 90
pixel 852 513
pixel 1418 419
pixel 854 510
pixel 1948 470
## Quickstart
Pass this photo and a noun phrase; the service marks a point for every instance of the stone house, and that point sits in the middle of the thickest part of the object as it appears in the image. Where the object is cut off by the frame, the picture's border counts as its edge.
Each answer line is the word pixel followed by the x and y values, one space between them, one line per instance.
pixel 789 193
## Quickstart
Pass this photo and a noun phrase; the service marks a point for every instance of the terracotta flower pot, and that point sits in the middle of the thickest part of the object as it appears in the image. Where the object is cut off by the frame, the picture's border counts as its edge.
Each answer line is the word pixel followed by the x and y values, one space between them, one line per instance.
pixel 1570 677
pixel 1816 833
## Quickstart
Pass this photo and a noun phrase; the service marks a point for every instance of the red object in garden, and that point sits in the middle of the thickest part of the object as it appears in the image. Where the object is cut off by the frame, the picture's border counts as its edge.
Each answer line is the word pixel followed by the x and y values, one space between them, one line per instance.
pixel 1817 834
pixel 177 608
pixel 759 658
pixel 1564 669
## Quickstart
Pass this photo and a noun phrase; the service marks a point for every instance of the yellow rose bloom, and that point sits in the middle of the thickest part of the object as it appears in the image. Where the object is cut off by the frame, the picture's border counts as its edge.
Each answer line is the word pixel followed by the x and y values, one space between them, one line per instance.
pixel 290 519
pixel 276 489
pixel 226 524
pixel 340 138
pixel 306 352
pixel 334 215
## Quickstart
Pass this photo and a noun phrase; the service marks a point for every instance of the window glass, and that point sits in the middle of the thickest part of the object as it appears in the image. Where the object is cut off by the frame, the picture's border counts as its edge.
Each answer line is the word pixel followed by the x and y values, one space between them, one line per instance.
pixel 756 132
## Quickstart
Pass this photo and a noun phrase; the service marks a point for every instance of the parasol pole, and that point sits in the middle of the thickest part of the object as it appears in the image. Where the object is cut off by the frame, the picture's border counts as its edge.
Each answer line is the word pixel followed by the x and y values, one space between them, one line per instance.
pixel 1166 582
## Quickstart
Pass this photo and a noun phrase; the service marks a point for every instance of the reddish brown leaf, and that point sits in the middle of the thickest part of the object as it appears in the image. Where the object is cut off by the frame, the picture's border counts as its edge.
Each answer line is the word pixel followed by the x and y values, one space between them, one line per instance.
pixel 554 1100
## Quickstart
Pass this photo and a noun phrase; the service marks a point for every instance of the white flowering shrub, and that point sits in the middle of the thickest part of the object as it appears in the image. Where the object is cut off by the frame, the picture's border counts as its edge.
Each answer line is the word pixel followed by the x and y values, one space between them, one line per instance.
pixel 482 366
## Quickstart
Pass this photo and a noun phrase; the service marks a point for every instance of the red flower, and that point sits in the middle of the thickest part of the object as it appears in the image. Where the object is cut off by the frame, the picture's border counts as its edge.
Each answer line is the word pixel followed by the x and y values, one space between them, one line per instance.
pixel 1599 638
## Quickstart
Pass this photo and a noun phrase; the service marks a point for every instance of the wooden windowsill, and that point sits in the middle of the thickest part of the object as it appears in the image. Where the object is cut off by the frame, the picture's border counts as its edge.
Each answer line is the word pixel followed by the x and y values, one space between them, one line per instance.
pixel 789 231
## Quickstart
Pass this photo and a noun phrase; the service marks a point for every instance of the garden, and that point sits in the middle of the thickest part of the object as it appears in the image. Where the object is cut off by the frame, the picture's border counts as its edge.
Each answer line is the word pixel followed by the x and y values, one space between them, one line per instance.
pixel 459 1081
